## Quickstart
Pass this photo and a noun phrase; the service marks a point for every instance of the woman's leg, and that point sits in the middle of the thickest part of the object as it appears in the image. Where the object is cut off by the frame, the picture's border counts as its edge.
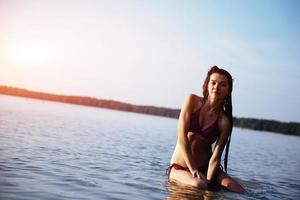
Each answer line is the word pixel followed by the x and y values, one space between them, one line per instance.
pixel 186 178
pixel 229 183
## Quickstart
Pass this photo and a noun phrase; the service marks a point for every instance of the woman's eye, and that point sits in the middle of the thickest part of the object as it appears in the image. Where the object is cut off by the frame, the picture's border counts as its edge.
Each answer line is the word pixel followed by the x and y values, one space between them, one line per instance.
pixel 224 84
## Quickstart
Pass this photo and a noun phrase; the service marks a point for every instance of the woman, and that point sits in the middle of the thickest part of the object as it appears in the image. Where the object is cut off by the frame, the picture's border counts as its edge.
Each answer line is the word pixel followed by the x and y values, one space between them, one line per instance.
pixel 203 121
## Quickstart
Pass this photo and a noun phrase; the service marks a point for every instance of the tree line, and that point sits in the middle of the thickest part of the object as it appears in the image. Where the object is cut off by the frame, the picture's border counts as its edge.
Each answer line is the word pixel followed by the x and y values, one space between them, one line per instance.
pixel 289 128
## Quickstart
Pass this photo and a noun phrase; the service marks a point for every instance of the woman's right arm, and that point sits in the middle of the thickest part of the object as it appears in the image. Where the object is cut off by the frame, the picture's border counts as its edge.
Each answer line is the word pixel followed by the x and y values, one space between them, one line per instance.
pixel 183 126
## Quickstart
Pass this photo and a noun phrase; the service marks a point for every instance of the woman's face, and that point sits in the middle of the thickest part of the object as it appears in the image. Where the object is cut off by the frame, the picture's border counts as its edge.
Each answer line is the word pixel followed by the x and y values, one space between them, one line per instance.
pixel 218 86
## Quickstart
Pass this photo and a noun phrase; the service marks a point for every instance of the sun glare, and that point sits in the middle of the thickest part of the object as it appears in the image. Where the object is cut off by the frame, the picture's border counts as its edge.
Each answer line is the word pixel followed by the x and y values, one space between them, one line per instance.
pixel 26 53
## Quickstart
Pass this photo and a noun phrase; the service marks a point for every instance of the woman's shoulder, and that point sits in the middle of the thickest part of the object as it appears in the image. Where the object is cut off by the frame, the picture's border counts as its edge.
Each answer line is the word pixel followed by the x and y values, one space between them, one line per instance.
pixel 193 102
pixel 194 99
pixel 223 120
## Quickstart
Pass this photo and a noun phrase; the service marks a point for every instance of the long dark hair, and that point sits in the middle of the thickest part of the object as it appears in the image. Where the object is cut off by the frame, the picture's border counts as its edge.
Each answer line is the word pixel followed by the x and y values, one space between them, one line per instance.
pixel 227 104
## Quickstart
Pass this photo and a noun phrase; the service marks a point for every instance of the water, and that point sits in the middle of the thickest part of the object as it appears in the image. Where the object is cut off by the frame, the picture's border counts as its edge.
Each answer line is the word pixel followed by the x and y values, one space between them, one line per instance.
pixel 52 150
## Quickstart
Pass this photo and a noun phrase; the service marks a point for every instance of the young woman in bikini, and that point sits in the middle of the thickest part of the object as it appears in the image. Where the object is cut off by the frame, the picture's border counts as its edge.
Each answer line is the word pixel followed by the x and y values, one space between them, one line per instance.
pixel 202 122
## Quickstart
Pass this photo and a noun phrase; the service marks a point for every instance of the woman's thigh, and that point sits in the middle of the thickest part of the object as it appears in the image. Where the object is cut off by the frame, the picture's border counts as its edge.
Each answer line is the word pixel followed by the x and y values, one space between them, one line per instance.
pixel 228 182
pixel 186 178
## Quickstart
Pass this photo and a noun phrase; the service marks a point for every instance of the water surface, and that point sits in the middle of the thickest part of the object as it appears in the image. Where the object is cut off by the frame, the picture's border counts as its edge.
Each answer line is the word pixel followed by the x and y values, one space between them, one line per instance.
pixel 52 150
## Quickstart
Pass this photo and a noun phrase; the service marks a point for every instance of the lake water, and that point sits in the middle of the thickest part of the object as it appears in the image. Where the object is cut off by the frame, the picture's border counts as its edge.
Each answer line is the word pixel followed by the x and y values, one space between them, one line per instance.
pixel 52 150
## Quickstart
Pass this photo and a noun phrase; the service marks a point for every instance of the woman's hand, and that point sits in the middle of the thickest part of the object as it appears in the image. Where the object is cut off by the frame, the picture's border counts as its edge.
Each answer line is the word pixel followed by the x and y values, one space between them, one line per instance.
pixel 200 176
pixel 197 174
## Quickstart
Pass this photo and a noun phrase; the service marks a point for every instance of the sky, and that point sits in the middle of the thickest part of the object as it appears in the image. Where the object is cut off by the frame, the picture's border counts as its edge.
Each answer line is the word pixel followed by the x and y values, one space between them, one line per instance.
pixel 153 52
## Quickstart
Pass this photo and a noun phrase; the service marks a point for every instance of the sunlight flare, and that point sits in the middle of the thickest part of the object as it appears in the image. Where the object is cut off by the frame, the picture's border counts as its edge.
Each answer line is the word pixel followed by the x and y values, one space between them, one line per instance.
pixel 27 53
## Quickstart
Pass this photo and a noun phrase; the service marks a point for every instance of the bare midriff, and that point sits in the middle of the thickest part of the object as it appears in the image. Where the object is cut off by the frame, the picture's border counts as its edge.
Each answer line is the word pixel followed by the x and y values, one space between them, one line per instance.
pixel 201 151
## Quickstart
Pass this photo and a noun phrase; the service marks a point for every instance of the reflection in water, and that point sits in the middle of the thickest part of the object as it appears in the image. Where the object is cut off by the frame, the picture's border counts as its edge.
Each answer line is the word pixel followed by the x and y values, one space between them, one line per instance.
pixel 179 192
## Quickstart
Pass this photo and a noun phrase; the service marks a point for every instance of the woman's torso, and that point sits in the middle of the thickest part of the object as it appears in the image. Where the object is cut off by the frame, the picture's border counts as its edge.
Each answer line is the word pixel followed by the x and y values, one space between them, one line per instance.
pixel 200 139
pixel 201 151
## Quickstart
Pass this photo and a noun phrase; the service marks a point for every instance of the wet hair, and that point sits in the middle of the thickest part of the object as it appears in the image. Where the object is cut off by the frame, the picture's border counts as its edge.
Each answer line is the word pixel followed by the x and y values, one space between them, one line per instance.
pixel 227 104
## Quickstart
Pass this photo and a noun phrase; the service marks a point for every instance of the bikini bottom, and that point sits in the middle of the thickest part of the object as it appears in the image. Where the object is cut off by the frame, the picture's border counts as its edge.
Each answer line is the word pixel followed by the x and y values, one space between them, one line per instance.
pixel 202 169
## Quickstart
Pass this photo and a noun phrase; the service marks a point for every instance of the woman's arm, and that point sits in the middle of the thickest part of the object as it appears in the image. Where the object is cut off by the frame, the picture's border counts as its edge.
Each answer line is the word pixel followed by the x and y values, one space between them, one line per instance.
pixel 183 126
pixel 214 162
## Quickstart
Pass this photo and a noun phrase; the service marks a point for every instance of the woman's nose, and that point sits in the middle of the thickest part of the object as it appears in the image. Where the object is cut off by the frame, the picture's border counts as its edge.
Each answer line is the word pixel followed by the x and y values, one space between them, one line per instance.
pixel 216 85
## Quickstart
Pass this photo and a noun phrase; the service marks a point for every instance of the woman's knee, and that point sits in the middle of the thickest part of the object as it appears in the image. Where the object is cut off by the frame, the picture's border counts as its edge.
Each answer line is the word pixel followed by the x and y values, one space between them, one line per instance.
pixel 232 184
pixel 199 183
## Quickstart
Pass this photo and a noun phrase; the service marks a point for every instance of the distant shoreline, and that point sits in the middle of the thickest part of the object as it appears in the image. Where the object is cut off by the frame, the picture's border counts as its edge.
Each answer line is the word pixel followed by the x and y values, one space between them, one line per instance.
pixel 288 128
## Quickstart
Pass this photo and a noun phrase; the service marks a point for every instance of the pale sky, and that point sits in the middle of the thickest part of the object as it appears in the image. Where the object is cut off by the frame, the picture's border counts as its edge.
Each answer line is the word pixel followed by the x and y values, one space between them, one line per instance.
pixel 155 52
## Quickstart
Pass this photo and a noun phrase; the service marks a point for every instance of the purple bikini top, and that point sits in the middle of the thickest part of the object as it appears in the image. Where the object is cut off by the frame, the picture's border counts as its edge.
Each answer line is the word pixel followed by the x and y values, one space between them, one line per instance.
pixel 210 133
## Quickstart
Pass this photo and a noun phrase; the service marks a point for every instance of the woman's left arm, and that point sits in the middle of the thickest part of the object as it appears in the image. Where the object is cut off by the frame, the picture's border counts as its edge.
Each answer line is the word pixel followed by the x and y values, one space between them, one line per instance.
pixel 214 162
